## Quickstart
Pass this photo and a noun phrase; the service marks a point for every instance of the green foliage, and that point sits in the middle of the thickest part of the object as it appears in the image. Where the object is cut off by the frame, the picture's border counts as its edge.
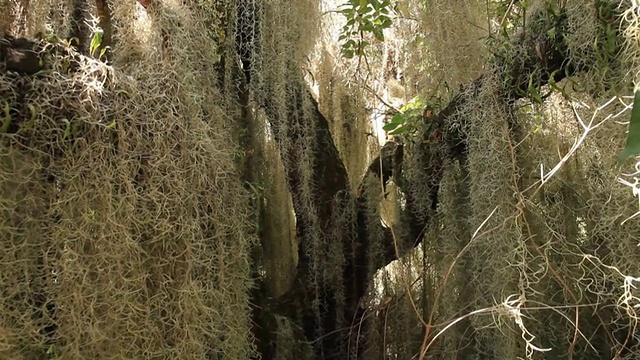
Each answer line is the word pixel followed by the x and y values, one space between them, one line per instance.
pixel 411 118
pixel 608 45
pixel 550 23
pixel 632 146
pixel 509 12
pixel 363 17
pixel 96 44
pixel 54 353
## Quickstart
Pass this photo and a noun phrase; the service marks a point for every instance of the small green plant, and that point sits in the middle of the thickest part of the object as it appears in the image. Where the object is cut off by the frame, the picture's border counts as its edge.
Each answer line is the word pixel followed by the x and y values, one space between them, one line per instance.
pixel 632 145
pixel 363 17
pixel 412 117
pixel 54 353
pixel 96 44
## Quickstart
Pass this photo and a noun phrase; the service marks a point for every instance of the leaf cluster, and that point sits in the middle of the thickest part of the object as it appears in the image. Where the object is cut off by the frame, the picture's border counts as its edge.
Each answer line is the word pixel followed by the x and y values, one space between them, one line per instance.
pixel 413 117
pixel 363 17
pixel 96 42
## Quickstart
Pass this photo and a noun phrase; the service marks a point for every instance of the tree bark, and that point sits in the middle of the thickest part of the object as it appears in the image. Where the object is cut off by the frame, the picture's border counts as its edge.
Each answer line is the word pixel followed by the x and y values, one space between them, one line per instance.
pixel 19 55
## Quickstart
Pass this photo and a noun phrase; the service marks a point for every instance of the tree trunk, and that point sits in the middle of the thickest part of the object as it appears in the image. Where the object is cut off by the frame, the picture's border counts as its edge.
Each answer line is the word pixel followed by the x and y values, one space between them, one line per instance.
pixel 546 57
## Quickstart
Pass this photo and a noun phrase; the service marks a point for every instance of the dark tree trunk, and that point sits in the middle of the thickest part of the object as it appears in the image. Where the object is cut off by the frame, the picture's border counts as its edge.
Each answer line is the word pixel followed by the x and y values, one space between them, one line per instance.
pixel 79 26
pixel 331 179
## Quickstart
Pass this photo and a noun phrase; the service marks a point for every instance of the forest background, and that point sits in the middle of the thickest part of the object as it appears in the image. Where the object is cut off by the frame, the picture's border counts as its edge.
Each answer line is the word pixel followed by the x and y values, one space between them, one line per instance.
pixel 236 179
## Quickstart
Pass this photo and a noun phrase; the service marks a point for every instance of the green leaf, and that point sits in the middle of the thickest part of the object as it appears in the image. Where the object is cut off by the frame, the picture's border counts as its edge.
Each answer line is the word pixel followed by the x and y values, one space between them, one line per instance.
pixel 413 104
pixel 348 12
pixel 552 33
pixel 96 40
pixel 378 34
pixel 34 112
pixel 390 126
pixel 398 118
pixel 399 130
pixel 67 128
pixel 347 53
pixel 535 95
pixel 386 22
pixel 554 85
pixel 413 113
pixel 349 44
pixel 632 146
pixel 368 27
